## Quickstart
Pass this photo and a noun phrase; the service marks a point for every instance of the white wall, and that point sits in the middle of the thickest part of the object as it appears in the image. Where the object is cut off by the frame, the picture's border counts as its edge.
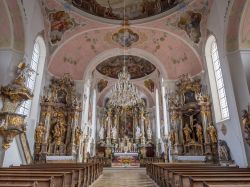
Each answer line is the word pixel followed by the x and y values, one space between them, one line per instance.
pixel 233 136
pixel 12 155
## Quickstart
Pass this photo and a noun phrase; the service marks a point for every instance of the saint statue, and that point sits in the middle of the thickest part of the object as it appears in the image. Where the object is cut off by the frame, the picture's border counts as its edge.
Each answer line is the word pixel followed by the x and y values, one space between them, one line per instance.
pixel 199 133
pixel 101 133
pixel 212 133
pixel 172 137
pixel 114 133
pixel 78 134
pixel 59 132
pixel 187 132
pixel 149 133
pixel 39 133
pixel 138 132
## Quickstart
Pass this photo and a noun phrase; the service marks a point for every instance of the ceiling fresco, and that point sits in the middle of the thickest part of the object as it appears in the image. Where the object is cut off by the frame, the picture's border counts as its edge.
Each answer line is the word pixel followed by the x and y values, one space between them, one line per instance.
pixel 137 67
pixel 125 9
pixel 175 41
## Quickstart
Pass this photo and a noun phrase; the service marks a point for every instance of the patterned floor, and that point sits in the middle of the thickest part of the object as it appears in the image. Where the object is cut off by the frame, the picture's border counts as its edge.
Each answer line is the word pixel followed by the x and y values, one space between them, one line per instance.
pixel 124 177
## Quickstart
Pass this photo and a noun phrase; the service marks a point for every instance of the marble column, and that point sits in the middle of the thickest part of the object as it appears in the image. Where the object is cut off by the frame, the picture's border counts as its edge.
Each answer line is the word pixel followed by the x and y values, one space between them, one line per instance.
pixel 158 126
pixel 94 120
pixel 164 104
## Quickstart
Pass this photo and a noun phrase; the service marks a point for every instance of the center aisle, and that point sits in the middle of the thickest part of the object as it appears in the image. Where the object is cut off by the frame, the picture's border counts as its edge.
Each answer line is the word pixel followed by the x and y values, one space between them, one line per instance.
pixel 124 177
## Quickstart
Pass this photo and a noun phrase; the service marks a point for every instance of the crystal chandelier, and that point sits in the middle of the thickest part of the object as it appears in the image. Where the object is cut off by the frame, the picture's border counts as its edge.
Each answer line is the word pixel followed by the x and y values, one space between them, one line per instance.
pixel 124 93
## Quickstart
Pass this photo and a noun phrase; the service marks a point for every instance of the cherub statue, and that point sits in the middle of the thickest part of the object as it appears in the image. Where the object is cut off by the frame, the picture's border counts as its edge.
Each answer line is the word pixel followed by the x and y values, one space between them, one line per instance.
pixel 39 133
pixel 187 133
pixel 212 132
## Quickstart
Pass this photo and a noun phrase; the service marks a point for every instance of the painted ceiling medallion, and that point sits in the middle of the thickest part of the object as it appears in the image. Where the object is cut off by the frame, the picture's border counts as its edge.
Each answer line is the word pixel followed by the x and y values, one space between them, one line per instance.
pixel 125 37
pixel 114 9
pixel 137 67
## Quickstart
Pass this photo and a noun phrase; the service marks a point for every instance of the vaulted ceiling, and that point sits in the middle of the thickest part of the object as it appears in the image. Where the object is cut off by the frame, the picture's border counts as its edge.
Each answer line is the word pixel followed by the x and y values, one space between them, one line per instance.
pixel 174 35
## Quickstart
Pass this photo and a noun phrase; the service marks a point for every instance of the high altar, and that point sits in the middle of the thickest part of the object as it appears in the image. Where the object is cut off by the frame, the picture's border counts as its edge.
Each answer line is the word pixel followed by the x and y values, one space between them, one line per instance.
pixel 125 135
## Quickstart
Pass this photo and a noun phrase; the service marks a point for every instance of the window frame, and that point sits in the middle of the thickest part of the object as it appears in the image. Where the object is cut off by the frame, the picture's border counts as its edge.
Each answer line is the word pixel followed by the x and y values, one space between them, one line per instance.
pixel 216 79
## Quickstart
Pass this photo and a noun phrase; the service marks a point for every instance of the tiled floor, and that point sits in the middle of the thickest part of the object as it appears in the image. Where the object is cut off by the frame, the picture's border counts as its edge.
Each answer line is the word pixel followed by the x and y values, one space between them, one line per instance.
pixel 124 177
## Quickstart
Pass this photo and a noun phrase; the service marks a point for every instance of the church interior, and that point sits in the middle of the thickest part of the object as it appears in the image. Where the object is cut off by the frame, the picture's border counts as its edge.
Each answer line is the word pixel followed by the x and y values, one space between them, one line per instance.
pixel 125 93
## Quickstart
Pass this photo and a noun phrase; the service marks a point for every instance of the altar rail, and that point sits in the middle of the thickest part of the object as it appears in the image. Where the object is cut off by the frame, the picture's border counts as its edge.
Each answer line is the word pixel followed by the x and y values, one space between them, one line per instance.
pixel 51 175
pixel 197 175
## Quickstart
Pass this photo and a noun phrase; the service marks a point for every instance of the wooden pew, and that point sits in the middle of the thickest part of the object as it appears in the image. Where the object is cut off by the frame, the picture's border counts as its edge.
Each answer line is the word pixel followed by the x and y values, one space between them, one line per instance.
pixel 36 182
pixel 225 184
pixel 87 173
pixel 178 177
pixel 185 181
pixel 199 181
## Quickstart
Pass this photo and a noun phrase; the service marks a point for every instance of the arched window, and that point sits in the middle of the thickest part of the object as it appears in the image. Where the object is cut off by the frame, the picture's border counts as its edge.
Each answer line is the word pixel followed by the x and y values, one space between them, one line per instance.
pixel 36 65
pixel 216 80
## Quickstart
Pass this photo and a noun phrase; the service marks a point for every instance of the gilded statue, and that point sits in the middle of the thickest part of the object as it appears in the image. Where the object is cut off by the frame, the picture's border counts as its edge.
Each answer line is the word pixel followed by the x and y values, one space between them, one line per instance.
pixel 212 132
pixel 187 133
pixel 78 135
pixel 39 133
pixel 58 132
pixel 199 133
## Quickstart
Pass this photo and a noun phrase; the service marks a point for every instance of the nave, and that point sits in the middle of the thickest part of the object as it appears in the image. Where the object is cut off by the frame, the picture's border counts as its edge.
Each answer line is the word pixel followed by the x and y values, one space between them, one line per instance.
pixel 132 177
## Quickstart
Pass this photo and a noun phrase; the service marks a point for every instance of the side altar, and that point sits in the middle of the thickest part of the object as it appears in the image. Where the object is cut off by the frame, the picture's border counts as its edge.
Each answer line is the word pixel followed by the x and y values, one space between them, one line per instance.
pixel 192 133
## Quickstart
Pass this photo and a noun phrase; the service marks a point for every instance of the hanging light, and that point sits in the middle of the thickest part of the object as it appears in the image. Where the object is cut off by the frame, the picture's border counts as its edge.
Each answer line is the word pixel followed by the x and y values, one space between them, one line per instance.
pixel 124 93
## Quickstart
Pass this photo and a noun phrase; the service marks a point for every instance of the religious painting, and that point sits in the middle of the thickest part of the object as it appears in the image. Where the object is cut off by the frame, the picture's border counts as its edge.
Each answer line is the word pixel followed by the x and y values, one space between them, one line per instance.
pixel 101 85
pixel 114 9
pixel 150 85
pixel 190 22
pixel 125 37
pixel 137 67
pixel 60 21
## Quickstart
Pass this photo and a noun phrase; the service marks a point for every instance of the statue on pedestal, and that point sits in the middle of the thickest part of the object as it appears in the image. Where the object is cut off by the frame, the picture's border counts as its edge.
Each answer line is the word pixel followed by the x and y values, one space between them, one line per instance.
pixel 199 133
pixel 149 133
pixel 138 133
pixel 187 132
pixel 39 133
pixel 212 133
pixel 114 133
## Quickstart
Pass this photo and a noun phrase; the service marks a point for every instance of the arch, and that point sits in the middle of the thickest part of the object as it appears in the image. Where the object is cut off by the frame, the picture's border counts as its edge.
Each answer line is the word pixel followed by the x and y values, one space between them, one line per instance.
pixel 118 51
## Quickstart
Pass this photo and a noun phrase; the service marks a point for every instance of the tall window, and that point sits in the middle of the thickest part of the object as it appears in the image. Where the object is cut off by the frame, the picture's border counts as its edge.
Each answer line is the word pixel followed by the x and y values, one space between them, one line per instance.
pixel 31 80
pixel 216 80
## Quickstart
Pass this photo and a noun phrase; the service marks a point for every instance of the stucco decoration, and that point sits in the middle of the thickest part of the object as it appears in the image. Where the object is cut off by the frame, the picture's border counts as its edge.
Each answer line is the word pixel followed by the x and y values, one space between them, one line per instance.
pixel 190 22
pixel 137 67
pixel 101 85
pixel 114 9
pixel 150 85
pixel 125 37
